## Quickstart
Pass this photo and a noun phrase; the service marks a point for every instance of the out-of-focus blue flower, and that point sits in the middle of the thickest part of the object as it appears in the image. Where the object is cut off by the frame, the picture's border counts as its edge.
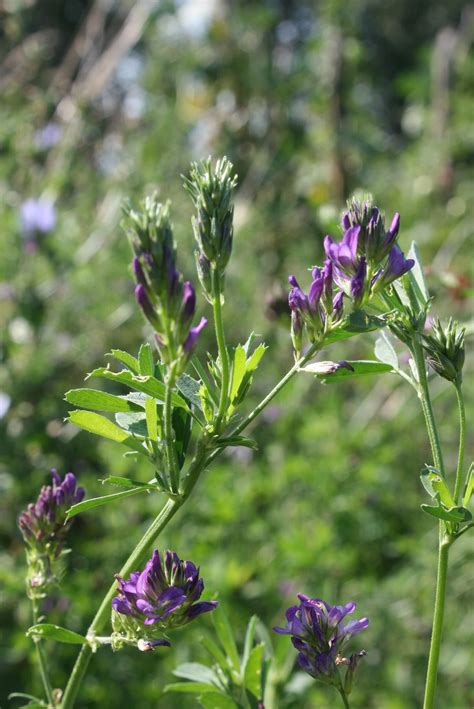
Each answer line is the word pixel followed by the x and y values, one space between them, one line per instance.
pixel 48 136
pixel 193 336
pixel 161 597
pixel 319 632
pixel 37 216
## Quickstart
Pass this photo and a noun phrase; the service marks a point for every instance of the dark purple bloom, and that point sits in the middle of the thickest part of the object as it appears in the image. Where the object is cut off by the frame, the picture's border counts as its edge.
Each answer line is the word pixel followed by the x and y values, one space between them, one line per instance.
pixel 138 272
pixel 337 305
pixel 319 633
pixel 193 336
pixel 344 254
pixel 397 265
pixel 43 523
pixel 189 301
pixel 38 216
pixel 145 304
pixel 357 286
pixel 163 596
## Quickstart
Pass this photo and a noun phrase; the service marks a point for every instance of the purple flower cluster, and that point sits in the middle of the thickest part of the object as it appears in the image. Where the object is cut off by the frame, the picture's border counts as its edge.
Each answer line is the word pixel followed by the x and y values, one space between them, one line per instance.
pixel 43 523
pixel 365 261
pixel 161 597
pixel 318 309
pixel 319 634
pixel 167 302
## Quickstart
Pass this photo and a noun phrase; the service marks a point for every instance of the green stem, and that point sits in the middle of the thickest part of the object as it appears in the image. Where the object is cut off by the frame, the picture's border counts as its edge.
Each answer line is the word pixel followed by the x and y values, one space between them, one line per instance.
pixel 435 647
pixel 444 540
pixel 134 562
pixel 462 438
pixel 344 698
pixel 168 435
pixel 42 657
pixel 222 348
pixel 424 396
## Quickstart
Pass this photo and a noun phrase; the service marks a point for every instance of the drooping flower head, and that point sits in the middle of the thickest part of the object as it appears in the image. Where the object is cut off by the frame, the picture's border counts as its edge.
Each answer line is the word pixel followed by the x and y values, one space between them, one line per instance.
pixel 166 301
pixel 164 596
pixel 319 632
pixel 44 527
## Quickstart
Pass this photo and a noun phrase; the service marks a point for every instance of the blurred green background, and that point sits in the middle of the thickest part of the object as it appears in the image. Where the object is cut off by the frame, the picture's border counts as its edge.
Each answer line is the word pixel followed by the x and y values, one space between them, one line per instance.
pixel 311 101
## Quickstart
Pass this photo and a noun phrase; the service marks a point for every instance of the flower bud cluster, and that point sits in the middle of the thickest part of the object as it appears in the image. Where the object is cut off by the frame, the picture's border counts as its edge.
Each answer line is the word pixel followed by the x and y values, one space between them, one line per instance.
pixel 319 634
pixel 161 597
pixel 167 302
pixel 445 350
pixel 368 258
pixel 212 194
pixel 317 310
pixel 44 527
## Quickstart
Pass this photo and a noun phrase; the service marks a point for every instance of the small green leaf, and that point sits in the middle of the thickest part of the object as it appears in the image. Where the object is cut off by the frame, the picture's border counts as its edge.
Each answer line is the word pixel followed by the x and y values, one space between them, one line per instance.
pixel 213 700
pixel 196 672
pixel 190 687
pixel 469 488
pixel 151 419
pixel 189 388
pixel 147 385
pixel 249 638
pixel 358 368
pixel 254 359
pixel 238 370
pixel 385 352
pixel 436 487
pixel 134 424
pixel 455 514
pixel 417 275
pixel 354 324
pixel 214 650
pixel 55 632
pixel 146 361
pixel 99 501
pixel 125 358
pixel 226 636
pixel 99 400
pixel 101 426
pixel 253 671
pixel 182 426
pixel 127 482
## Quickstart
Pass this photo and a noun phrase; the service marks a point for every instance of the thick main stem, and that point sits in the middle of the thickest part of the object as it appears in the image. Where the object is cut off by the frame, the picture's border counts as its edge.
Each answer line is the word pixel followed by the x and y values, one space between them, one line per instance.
pixel 462 439
pixel 41 656
pixel 435 647
pixel 222 348
pixel 444 541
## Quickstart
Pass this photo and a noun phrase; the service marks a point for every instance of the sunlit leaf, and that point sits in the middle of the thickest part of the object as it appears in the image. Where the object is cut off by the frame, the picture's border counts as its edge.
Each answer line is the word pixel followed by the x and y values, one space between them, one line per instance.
pixel 48 631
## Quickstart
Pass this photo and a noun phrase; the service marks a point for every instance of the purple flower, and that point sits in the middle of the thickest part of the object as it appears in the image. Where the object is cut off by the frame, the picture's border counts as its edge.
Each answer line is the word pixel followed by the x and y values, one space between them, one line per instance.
pixel 344 254
pixel 163 596
pixel 43 524
pixel 319 633
pixel 193 336
pixel 144 302
pixel 357 286
pixel 189 301
pixel 397 265
pixel 37 216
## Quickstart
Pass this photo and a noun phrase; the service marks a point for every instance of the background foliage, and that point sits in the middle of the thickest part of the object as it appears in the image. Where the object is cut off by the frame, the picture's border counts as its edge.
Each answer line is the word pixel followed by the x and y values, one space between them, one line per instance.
pixel 311 101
